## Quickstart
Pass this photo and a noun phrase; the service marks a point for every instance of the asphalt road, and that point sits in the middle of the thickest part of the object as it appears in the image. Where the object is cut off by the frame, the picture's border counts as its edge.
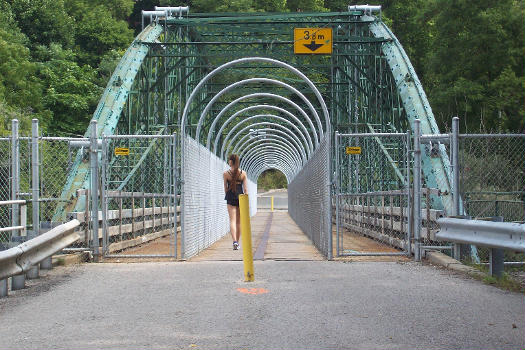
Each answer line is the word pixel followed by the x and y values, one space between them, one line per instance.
pixel 291 305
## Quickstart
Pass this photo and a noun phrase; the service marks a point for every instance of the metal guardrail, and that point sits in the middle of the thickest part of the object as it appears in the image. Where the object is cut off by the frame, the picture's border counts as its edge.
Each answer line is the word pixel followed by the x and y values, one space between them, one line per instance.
pixel 495 235
pixel 19 259
pixel 503 235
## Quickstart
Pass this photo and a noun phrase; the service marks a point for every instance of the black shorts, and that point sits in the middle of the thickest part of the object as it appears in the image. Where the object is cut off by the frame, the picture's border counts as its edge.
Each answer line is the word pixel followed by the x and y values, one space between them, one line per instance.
pixel 232 198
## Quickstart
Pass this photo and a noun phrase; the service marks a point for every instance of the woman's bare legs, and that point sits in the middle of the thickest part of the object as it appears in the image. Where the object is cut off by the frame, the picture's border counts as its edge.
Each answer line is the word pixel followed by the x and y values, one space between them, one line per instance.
pixel 232 212
pixel 238 223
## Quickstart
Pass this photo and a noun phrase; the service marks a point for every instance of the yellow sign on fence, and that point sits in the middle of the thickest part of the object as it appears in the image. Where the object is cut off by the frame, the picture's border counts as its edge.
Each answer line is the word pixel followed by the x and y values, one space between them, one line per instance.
pixel 353 150
pixel 317 41
pixel 121 151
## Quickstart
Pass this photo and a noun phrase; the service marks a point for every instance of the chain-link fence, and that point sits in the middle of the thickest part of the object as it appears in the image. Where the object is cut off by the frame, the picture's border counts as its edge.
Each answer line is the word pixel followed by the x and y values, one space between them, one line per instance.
pixel 492 175
pixel 309 199
pixel 492 181
pixel 205 216
pixel 5 190
pixel 56 158
pixel 484 180
pixel 372 206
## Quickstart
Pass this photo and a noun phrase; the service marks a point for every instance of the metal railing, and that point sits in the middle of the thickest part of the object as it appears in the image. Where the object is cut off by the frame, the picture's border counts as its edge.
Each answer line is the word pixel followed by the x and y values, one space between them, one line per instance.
pixel 139 218
pixel 20 259
pixel 497 236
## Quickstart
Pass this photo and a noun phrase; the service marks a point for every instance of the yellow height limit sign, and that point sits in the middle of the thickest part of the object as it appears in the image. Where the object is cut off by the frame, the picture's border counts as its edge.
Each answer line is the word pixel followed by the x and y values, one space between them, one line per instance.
pixel 317 41
pixel 121 151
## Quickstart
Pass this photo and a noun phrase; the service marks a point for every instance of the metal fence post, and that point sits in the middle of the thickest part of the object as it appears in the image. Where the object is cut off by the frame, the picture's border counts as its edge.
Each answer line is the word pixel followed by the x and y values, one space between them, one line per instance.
pixel 328 214
pixel 35 180
pixel 93 160
pixel 417 189
pixel 337 190
pixel 15 175
pixel 410 223
pixel 455 177
pixel 35 191
pixel 103 196
pixel 174 177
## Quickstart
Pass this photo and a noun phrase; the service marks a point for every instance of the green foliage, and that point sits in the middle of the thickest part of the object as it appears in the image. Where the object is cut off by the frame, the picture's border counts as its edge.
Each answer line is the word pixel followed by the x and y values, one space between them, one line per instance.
pixel 272 179
pixel 57 55
pixel 70 90
pixel 8 113
pixel 55 59
pixel 98 32
pixel 476 69
pixel 44 22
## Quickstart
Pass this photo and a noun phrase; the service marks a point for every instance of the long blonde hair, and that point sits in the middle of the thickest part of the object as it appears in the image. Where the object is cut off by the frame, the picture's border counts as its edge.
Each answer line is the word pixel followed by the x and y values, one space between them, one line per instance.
pixel 235 173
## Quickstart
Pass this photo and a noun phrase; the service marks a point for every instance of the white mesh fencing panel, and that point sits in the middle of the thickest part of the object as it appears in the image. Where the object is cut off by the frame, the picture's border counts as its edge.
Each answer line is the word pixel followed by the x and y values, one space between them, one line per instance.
pixel 204 213
pixel 309 198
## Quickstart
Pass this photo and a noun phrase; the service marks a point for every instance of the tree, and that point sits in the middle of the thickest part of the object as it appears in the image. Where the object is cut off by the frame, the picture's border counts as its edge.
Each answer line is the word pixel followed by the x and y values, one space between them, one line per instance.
pixel 97 33
pixel 44 22
pixel 477 49
pixel 71 92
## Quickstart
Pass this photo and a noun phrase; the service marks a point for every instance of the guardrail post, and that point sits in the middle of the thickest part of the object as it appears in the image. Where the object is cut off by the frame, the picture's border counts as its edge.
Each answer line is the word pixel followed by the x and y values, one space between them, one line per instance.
pixel 18 282
pixel 455 177
pixel 15 175
pixel 417 190
pixel 3 287
pixel 496 256
pixel 93 160
pixel 246 238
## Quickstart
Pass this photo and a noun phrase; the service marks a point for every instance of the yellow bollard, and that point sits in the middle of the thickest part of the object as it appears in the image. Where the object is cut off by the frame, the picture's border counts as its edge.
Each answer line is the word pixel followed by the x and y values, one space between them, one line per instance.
pixel 272 202
pixel 246 238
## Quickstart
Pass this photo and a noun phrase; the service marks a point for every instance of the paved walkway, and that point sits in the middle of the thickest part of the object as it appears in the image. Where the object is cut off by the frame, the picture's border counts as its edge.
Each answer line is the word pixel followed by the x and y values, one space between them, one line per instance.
pixel 285 241
pixel 296 302
pixel 291 305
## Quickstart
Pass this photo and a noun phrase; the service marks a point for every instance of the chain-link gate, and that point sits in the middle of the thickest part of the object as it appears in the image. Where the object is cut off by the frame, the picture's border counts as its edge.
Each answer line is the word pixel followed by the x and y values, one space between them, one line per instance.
pixel 372 194
pixel 139 204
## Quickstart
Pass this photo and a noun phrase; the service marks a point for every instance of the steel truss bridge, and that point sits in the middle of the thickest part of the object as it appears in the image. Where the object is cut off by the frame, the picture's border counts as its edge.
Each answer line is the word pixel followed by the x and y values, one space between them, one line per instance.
pixel 232 83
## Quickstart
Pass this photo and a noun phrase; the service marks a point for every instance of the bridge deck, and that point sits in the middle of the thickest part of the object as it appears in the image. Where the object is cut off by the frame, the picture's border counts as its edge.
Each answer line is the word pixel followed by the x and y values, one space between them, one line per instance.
pixel 285 241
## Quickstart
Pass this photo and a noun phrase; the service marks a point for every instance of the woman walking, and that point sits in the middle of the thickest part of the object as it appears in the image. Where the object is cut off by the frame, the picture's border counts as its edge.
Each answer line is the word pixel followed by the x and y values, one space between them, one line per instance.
pixel 235 183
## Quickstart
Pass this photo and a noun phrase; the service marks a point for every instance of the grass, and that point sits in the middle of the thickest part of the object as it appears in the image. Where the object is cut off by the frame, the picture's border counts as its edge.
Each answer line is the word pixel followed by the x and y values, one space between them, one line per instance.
pixel 506 281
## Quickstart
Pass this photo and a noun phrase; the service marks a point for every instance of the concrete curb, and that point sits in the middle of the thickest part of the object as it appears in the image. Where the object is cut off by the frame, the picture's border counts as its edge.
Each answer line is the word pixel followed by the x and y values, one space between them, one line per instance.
pixel 438 258
pixel 70 259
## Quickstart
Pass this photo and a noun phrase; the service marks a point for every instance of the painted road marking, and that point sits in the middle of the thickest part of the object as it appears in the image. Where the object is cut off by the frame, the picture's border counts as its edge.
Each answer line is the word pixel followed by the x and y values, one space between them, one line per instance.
pixel 261 248
pixel 252 291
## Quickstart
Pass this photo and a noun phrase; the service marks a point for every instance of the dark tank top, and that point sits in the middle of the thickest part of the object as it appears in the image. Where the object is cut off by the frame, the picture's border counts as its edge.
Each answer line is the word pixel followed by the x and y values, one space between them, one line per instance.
pixel 239 189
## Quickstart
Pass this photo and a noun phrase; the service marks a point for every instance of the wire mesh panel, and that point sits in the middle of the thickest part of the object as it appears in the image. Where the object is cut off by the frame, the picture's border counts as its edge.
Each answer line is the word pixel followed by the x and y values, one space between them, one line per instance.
pixel 139 211
pixel 56 157
pixel 5 189
pixel 205 216
pixel 492 183
pixel 372 215
pixel 309 198
pixel 204 213
pixel 492 177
